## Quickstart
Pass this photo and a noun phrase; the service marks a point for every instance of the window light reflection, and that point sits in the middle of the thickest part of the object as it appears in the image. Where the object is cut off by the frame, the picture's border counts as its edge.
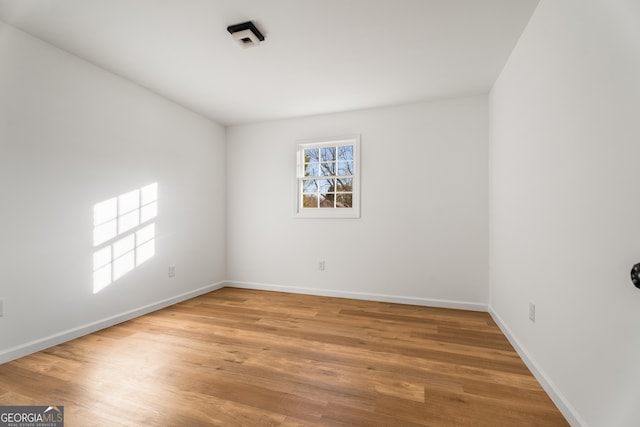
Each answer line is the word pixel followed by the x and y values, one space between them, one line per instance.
pixel 123 237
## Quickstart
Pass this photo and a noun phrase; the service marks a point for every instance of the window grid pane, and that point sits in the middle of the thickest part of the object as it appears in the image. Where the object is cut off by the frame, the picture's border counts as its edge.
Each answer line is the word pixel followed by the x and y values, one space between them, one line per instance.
pixel 327 176
pixel 345 152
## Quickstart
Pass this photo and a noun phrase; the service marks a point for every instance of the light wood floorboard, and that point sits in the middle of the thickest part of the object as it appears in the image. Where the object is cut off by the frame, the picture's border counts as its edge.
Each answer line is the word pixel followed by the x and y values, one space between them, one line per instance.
pixel 238 357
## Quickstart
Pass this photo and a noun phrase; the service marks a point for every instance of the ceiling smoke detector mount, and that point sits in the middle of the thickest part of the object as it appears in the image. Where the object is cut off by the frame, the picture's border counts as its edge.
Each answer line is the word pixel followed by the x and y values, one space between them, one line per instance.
pixel 246 34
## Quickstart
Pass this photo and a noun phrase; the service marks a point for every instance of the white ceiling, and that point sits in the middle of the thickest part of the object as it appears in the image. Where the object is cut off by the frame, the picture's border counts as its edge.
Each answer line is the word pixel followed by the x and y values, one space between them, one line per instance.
pixel 319 56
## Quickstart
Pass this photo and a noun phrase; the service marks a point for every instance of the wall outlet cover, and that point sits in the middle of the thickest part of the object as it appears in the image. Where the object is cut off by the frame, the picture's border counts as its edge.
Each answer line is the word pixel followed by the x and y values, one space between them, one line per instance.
pixel 532 312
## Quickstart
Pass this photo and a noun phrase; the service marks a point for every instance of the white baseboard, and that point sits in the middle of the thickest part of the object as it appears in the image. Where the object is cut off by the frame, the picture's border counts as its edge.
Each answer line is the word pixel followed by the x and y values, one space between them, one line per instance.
pixel 460 305
pixel 41 344
pixel 561 402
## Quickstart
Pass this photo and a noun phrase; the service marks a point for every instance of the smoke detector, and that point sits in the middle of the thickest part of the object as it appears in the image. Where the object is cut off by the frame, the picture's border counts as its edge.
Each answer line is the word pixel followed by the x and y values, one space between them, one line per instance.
pixel 246 34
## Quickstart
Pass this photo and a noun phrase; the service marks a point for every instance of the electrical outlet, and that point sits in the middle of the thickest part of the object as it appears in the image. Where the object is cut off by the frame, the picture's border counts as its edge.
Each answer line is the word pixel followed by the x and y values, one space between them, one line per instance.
pixel 532 312
pixel 172 271
pixel 321 266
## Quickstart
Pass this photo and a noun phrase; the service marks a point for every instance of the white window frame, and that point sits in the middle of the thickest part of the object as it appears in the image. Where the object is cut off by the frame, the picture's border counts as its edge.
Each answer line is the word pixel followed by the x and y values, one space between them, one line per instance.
pixel 354 210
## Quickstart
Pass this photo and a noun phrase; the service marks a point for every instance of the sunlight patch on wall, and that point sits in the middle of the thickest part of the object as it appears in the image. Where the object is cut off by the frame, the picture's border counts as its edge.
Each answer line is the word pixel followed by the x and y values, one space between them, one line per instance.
pixel 123 236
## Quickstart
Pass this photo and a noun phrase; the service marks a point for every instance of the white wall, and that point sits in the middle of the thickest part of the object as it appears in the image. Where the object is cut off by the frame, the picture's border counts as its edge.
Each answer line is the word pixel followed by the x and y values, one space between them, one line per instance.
pixel 422 236
pixel 565 204
pixel 72 135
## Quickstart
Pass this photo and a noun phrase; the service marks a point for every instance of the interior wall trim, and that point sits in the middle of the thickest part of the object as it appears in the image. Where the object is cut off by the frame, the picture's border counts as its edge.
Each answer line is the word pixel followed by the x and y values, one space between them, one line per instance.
pixel 428 302
pixel 70 334
pixel 549 386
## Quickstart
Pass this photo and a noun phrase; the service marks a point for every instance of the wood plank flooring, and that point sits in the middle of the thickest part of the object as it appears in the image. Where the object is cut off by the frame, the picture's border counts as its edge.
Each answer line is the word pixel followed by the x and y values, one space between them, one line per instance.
pixel 238 357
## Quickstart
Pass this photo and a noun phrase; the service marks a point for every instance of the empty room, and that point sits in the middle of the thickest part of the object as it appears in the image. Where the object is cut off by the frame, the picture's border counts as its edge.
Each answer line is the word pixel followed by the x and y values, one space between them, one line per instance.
pixel 319 213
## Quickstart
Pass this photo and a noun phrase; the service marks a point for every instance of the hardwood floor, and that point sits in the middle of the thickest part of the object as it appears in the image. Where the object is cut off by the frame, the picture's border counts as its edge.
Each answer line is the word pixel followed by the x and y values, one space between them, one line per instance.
pixel 243 357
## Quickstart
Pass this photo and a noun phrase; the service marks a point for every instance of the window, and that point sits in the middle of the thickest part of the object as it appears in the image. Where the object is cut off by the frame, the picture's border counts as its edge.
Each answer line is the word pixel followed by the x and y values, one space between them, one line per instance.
pixel 129 214
pixel 327 183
